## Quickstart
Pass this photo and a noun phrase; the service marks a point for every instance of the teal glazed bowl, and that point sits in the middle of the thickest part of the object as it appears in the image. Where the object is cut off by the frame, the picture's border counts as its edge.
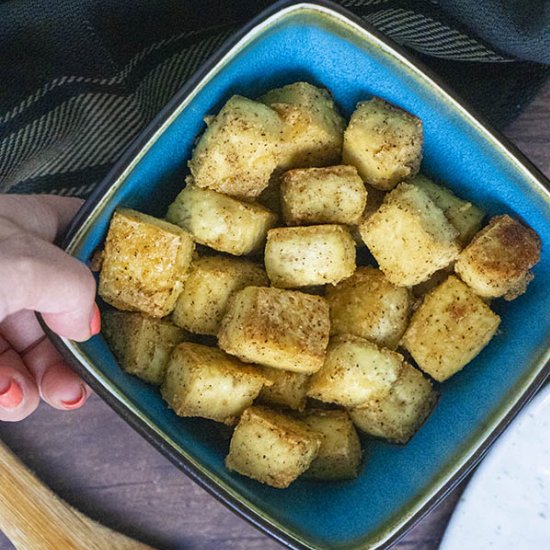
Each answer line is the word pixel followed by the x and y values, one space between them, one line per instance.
pixel 323 44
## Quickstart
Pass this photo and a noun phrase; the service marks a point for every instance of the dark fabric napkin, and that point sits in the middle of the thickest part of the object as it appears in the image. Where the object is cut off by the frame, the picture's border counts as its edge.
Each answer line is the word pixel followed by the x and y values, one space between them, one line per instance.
pixel 79 79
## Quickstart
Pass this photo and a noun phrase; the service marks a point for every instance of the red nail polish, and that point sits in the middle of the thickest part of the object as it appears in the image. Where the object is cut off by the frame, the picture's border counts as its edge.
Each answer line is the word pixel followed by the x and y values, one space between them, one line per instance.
pixel 95 323
pixel 11 397
pixel 75 403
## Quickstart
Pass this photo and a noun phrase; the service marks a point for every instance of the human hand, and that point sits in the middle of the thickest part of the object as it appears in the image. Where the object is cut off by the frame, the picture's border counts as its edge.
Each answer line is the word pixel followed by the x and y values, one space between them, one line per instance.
pixel 35 275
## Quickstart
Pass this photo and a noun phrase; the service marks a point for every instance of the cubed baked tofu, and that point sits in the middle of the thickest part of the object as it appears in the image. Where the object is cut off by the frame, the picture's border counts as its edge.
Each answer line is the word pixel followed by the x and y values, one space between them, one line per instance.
pixel 145 262
pixel 313 129
pixel 283 329
pixel 239 150
pixel 399 415
pixel 141 344
pixel 451 326
pixel 271 447
pixel 323 195
pixel 463 215
pixel 383 142
pixel 368 305
pixel 355 371
pixel 206 291
pixel 221 222
pixel 288 388
pixel 497 261
pixel 409 236
pixel 308 256
pixel 339 456
pixel 206 382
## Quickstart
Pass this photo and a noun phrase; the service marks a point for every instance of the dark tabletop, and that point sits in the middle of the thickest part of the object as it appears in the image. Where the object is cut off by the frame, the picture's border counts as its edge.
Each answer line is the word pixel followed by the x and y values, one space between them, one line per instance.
pixel 92 459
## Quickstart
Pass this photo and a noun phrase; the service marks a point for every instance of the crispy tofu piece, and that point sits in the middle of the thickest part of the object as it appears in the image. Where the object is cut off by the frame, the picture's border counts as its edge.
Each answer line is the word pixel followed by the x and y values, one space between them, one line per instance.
pixel 451 326
pixel 339 456
pixel 409 236
pixel 239 150
pixel 323 195
pixel 221 222
pixel 355 372
pixel 398 416
pixel 271 447
pixel 206 291
pixel 145 262
pixel 464 216
pixel 384 143
pixel 288 388
pixel 313 129
pixel 308 256
pixel 283 329
pixel 206 382
pixel 141 344
pixel 497 261
pixel 368 305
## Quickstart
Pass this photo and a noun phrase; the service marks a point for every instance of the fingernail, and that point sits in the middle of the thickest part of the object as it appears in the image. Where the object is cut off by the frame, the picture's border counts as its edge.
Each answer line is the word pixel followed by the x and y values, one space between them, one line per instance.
pixel 11 396
pixel 95 322
pixel 75 403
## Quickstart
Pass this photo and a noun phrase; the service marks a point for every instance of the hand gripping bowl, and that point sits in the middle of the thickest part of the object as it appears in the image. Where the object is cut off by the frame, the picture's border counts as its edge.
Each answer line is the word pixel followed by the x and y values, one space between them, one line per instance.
pixel 323 44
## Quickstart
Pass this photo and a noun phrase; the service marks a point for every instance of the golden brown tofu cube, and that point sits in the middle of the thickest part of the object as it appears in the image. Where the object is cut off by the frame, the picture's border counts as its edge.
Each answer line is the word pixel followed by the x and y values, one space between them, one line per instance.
pixel 239 150
pixel 497 261
pixel 399 415
pixel 339 456
pixel 368 305
pixel 283 329
pixel 409 236
pixel 323 195
pixel 141 344
pixel 355 372
pixel 451 326
pixel 206 291
pixel 206 382
pixel 464 216
pixel 313 129
pixel 308 256
pixel 271 447
pixel 145 262
pixel 288 389
pixel 221 222
pixel 384 143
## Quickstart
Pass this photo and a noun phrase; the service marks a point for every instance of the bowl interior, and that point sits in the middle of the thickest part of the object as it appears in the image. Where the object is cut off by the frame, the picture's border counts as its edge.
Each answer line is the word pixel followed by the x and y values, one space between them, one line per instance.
pixel 311 44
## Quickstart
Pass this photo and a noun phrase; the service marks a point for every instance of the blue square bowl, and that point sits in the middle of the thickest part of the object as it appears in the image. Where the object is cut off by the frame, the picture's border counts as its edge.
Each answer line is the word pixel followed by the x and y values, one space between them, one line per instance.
pixel 322 44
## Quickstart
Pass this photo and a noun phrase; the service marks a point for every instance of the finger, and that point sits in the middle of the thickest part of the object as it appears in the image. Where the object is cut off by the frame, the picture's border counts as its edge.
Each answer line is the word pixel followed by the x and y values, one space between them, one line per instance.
pixel 22 330
pixel 45 216
pixel 18 393
pixel 39 276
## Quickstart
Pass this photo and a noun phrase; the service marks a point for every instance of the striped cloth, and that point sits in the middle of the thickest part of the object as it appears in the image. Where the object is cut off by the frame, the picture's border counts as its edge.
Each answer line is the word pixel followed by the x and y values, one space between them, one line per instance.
pixel 67 115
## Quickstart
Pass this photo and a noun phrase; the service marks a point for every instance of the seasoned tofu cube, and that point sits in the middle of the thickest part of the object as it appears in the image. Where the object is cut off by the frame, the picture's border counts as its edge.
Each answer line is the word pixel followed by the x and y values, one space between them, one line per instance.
pixel 368 305
pixel 221 222
pixel 145 262
pixel 451 326
pixel 288 388
pixel 141 344
pixel 464 216
pixel 313 129
pixel 239 150
pixel 355 372
pixel 409 236
pixel 206 291
pixel 497 261
pixel 206 382
pixel 283 329
pixel 271 447
pixel 339 456
pixel 383 142
pixel 398 416
pixel 323 195
pixel 308 256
